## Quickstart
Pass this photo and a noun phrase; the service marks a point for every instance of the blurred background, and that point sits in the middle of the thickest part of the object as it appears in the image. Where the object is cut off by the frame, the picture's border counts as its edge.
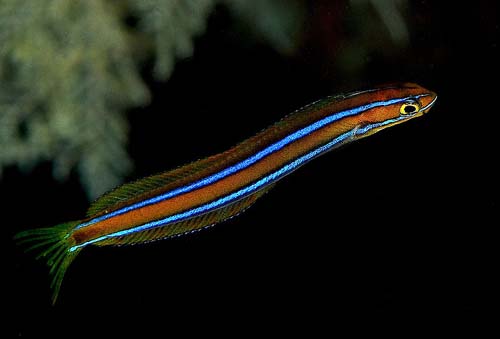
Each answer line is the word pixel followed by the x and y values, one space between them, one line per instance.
pixel 396 226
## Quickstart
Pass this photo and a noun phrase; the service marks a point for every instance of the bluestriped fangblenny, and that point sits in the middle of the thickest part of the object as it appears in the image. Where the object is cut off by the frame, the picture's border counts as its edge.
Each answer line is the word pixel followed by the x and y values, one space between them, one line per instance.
pixel 216 188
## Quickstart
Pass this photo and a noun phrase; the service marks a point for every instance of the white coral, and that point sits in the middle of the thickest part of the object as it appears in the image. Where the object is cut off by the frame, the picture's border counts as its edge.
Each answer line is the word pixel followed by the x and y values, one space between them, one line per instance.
pixel 68 72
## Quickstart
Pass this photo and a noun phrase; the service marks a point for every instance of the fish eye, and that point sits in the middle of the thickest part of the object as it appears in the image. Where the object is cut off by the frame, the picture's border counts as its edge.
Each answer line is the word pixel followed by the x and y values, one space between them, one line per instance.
pixel 409 107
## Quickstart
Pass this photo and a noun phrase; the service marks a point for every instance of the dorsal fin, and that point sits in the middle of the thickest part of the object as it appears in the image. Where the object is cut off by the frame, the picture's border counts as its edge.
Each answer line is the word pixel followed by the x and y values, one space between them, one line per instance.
pixel 183 175
pixel 165 181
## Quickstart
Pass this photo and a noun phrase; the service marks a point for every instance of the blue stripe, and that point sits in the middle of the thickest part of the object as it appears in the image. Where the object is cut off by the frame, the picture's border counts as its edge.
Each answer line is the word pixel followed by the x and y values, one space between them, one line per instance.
pixel 228 199
pixel 364 129
pixel 247 162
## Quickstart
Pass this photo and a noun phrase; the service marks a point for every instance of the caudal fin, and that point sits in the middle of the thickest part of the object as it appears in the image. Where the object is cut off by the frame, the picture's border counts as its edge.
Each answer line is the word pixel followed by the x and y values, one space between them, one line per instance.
pixel 54 245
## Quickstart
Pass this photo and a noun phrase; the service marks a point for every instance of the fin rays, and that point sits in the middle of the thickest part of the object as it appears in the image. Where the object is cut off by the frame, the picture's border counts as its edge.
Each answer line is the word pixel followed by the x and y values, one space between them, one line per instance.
pixel 186 226
pixel 165 181
pixel 196 170
pixel 56 252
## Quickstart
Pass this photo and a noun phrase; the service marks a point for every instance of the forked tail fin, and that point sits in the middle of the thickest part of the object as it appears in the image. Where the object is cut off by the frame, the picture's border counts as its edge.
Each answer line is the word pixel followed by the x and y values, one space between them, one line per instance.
pixel 54 245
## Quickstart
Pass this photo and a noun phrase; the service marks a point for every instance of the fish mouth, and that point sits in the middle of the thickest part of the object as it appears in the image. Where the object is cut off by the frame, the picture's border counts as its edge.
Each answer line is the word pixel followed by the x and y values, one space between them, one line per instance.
pixel 426 108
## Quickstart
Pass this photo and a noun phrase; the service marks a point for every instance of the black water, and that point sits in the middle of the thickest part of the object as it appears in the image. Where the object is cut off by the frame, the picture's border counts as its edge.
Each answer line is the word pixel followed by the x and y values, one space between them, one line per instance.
pixel 396 229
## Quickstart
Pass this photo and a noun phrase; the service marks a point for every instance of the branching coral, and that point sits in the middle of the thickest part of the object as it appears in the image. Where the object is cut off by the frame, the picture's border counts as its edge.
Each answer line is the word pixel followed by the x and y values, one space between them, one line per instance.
pixel 69 71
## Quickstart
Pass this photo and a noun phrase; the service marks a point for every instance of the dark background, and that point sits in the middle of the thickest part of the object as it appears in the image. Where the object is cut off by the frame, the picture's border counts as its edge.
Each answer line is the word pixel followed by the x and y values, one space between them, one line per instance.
pixel 394 229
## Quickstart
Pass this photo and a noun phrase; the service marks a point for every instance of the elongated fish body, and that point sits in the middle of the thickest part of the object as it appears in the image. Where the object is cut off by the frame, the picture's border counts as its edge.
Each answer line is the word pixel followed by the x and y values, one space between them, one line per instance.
pixel 210 190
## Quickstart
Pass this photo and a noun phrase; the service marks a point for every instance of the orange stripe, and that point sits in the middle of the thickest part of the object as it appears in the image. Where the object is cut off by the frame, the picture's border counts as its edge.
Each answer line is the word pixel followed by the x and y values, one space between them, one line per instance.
pixel 218 189
pixel 252 173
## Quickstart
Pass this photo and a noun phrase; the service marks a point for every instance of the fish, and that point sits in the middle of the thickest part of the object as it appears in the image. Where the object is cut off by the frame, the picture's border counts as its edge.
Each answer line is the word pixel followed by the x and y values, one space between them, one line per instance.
pixel 208 191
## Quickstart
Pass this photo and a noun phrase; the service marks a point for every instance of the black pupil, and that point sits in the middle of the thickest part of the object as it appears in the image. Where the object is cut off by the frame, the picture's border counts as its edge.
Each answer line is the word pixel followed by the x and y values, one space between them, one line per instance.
pixel 409 109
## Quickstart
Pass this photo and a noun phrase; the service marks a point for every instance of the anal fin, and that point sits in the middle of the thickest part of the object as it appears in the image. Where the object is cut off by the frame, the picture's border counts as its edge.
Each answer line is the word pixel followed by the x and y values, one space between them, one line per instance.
pixel 187 226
